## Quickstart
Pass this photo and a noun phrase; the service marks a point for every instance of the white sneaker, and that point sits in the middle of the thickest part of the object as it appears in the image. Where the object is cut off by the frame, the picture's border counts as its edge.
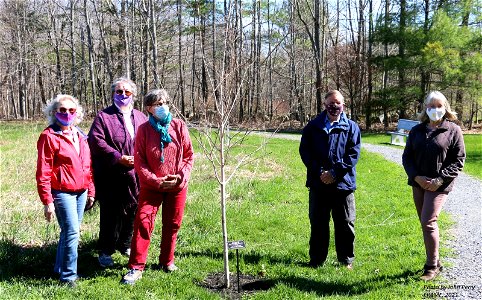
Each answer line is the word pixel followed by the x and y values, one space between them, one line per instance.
pixel 132 276
pixel 170 268
pixel 105 260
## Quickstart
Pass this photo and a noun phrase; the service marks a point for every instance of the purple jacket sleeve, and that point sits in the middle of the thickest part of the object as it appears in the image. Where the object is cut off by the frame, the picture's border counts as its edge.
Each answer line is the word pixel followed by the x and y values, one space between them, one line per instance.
pixel 98 144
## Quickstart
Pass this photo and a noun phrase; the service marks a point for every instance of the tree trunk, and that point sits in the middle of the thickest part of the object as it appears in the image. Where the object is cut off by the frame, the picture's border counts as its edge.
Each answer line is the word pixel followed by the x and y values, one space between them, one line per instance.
pixel 153 34
pixel 91 57
pixel 368 105
pixel 180 61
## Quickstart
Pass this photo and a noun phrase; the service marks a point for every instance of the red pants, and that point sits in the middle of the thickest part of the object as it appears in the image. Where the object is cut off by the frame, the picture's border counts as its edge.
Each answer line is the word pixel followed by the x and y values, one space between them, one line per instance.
pixel 172 213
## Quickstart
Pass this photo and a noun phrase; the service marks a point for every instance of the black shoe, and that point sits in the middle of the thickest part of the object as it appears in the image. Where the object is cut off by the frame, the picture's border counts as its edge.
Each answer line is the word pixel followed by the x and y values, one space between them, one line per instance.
pixel 69 283
pixel 315 264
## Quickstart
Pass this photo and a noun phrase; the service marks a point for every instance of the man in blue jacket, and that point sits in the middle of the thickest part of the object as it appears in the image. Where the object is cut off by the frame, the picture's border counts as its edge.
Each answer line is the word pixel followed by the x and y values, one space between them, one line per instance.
pixel 330 148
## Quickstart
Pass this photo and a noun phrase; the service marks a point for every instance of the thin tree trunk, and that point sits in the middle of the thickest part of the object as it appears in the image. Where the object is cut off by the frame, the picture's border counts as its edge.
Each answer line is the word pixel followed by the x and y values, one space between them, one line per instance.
pixel 368 105
pixel 72 49
pixel 153 34
pixel 181 65
pixel 90 47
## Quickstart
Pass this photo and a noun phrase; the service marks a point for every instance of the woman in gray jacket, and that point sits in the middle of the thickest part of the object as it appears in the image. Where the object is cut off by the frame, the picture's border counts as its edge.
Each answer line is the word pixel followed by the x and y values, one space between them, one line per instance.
pixel 433 157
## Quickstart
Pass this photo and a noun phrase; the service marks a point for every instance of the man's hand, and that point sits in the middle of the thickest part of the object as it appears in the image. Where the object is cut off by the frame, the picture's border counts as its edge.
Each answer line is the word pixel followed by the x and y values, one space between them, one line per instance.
pixel 127 160
pixel 327 178
pixel 49 210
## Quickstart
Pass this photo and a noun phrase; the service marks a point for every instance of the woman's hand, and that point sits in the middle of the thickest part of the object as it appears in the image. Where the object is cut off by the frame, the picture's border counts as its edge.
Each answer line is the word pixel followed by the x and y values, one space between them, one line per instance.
pixel 429 184
pixel 435 183
pixel 127 160
pixel 49 210
pixel 90 203
pixel 422 181
pixel 170 181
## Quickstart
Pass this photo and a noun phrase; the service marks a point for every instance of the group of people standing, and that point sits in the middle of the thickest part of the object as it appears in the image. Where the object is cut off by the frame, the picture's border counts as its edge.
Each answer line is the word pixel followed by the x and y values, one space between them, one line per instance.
pixel 129 162
pixel 330 148
pixel 132 164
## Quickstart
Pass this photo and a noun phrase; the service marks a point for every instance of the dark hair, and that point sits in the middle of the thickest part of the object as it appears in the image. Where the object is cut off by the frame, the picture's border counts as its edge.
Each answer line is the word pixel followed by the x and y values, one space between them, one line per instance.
pixel 155 95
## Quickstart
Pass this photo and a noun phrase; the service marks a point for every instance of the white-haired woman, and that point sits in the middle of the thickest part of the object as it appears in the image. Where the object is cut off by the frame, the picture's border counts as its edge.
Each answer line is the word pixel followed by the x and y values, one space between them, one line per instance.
pixel 433 157
pixel 64 179
pixel 111 141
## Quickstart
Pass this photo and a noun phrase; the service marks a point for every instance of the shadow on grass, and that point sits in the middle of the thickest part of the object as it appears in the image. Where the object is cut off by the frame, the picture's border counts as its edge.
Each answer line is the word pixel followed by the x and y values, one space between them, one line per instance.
pixel 306 284
pixel 37 261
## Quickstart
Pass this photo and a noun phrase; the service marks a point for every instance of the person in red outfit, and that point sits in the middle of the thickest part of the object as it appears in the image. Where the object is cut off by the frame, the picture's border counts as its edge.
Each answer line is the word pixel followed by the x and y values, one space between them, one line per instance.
pixel 163 160
pixel 64 179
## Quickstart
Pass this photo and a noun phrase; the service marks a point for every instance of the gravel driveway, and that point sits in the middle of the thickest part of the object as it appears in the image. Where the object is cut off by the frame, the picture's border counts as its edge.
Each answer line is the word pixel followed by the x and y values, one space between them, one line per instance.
pixel 464 204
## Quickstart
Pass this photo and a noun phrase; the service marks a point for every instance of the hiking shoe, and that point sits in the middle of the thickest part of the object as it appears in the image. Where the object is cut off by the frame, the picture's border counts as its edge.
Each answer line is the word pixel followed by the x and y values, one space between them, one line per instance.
pixel 69 283
pixel 105 260
pixel 170 268
pixel 430 272
pixel 132 276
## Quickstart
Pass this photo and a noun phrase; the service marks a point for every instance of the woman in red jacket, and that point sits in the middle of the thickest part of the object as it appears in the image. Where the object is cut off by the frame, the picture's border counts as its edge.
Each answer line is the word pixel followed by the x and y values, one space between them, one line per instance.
pixel 64 179
pixel 163 159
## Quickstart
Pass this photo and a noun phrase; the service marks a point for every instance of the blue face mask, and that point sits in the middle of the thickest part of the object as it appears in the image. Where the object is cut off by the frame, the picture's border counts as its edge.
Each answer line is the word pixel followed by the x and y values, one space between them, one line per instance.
pixel 161 112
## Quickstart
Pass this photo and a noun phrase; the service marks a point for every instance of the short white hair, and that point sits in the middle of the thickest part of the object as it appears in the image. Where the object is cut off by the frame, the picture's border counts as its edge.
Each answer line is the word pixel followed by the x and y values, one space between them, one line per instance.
pixel 53 105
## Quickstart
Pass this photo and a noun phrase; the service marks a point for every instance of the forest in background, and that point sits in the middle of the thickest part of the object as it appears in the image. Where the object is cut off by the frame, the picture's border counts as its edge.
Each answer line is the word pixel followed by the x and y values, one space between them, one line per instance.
pixel 271 60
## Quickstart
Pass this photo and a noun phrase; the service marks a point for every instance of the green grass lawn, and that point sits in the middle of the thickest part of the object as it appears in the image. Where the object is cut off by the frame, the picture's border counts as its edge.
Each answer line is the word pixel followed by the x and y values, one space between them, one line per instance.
pixel 267 208
pixel 473 148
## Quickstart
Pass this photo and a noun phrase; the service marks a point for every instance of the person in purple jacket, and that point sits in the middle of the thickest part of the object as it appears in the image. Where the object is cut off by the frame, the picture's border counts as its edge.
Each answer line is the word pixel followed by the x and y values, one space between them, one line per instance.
pixel 111 141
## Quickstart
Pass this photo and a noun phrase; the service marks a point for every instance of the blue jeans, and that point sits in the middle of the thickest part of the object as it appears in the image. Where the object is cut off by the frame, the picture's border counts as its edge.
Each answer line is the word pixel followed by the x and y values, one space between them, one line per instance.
pixel 69 209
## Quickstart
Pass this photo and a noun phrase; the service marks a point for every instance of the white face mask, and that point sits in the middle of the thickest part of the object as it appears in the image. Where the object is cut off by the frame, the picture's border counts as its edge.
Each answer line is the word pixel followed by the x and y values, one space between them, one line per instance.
pixel 436 114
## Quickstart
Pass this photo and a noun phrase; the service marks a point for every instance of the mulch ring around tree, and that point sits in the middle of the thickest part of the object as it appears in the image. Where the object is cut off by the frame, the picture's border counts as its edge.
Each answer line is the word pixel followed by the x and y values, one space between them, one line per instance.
pixel 248 284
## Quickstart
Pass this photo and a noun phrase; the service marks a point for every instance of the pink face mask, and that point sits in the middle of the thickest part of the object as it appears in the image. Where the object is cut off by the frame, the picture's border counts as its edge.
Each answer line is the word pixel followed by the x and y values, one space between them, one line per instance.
pixel 66 119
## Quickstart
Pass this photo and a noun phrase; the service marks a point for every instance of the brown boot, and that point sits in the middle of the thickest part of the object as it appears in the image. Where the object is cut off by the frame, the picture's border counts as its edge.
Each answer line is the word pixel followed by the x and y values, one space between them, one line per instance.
pixel 430 272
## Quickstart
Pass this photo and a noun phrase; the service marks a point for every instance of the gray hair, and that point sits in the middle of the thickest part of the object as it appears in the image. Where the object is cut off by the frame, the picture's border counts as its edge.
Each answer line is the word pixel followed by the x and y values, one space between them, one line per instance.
pixel 124 80
pixel 431 97
pixel 53 105
pixel 154 95
pixel 334 92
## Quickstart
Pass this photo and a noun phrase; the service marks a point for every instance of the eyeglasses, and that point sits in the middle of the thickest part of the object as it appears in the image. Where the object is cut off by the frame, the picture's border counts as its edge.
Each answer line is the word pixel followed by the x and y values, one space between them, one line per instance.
pixel 160 104
pixel 64 110
pixel 120 92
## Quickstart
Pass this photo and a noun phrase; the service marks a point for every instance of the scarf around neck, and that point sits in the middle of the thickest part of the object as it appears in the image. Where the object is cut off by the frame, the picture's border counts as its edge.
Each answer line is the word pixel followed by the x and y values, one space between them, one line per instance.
pixel 162 126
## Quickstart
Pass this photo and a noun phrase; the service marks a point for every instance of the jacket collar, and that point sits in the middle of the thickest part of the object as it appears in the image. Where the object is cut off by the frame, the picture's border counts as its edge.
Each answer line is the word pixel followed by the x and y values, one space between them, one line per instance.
pixel 342 123
pixel 57 130
pixel 444 125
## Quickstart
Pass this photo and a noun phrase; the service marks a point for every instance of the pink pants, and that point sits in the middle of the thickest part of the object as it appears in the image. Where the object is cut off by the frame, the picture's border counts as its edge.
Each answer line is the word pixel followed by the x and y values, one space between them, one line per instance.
pixel 172 213
pixel 429 204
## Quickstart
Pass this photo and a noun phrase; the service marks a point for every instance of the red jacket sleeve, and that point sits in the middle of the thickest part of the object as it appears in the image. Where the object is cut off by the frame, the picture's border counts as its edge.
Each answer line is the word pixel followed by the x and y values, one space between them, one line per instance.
pixel 45 162
pixel 188 157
